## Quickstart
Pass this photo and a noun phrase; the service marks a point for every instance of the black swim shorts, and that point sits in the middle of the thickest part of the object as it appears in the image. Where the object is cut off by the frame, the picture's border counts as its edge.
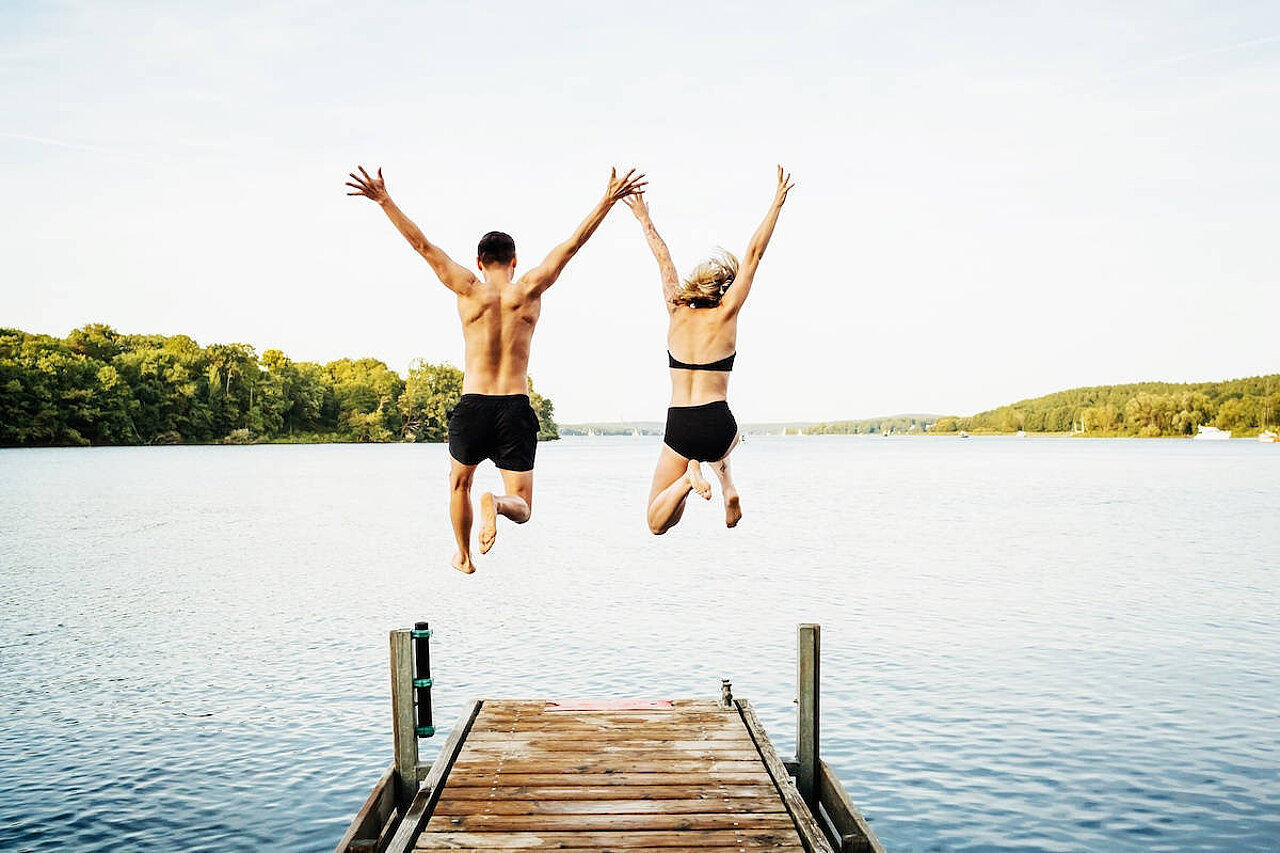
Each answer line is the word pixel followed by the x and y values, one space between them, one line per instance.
pixel 703 432
pixel 502 428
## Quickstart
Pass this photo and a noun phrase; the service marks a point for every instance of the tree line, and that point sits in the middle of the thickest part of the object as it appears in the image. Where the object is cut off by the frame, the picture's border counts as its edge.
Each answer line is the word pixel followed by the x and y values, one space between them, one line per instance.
pixel 1244 406
pixel 871 426
pixel 97 386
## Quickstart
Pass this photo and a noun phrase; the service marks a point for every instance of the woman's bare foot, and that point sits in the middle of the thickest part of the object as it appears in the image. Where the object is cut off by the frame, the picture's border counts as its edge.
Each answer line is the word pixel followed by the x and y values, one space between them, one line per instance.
pixel 696 481
pixel 732 510
pixel 463 564
pixel 488 522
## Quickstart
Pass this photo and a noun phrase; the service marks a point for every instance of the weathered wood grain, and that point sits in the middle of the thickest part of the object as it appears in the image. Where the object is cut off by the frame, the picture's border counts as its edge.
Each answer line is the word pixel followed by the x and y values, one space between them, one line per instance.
pixel 606 841
pixel 690 778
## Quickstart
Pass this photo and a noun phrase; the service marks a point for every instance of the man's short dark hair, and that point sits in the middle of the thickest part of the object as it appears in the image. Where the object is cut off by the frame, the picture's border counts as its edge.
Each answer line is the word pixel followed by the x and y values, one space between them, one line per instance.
pixel 496 248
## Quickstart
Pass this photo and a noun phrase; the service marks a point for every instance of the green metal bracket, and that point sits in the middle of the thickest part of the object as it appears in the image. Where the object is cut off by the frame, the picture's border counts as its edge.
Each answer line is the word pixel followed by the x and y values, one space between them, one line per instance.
pixel 418 634
pixel 425 731
pixel 423 682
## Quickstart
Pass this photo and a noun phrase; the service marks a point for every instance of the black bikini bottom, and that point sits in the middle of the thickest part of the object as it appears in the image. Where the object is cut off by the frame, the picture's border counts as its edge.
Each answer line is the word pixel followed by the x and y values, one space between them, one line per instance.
pixel 703 432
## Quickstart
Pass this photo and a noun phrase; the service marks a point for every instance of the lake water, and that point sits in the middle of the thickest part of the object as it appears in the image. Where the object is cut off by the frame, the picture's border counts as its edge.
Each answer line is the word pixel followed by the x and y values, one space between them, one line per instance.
pixel 1037 644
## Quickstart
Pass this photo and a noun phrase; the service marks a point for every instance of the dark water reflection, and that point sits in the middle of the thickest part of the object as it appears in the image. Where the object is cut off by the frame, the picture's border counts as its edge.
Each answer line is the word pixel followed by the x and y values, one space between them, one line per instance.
pixel 1028 645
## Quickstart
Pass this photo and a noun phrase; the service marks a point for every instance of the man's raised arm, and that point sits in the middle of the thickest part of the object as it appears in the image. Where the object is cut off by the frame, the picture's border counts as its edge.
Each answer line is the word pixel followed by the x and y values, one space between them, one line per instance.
pixel 453 275
pixel 545 274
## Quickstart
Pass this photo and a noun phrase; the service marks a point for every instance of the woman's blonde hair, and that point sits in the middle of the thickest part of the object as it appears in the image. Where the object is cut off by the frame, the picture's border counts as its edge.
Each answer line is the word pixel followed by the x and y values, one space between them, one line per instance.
pixel 705 286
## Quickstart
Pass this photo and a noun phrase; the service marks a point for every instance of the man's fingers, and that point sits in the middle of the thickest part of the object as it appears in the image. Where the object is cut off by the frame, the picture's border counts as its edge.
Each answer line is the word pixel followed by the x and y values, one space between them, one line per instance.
pixel 367 177
pixel 379 173
pixel 354 186
pixel 355 193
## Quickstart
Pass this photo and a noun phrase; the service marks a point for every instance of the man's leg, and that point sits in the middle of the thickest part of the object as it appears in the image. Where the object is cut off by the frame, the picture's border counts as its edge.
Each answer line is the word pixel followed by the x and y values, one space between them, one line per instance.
pixel 460 477
pixel 516 504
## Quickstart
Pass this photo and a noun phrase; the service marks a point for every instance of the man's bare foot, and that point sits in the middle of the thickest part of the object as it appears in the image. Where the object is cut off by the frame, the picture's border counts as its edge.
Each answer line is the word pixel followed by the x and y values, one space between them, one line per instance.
pixel 732 510
pixel 488 522
pixel 700 485
pixel 463 564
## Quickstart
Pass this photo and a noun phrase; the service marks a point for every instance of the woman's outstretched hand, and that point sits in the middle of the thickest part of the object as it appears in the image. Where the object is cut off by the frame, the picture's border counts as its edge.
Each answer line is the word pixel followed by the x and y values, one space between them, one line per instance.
pixel 620 188
pixel 638 206
pixel 784 186
pixel 369 186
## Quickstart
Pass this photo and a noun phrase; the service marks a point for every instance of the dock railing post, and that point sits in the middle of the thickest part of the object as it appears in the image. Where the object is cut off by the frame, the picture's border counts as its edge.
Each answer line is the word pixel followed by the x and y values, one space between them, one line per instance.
pixel 402 717
pixel 809 639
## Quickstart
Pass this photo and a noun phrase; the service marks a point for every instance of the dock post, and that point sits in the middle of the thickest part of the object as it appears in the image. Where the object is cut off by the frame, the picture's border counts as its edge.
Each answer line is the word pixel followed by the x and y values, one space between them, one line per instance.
pixel 402 717
pixel 809 639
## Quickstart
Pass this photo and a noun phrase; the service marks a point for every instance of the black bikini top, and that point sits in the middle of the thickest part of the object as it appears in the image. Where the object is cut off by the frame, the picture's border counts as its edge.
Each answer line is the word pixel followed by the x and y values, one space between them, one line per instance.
pixel 725 364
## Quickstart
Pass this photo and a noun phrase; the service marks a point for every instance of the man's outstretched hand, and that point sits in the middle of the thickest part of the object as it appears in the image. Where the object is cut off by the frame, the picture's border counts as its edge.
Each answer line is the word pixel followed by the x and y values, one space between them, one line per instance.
pixel 620 188
pixel 369 186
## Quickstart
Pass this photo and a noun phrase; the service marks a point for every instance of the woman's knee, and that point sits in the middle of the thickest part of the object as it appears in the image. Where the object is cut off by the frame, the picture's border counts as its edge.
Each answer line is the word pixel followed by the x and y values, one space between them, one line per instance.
pixel 460 479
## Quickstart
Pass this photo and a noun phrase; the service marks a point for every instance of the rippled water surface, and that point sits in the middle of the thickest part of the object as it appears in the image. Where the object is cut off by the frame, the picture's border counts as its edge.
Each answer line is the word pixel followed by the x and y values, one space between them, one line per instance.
pixel 1028 644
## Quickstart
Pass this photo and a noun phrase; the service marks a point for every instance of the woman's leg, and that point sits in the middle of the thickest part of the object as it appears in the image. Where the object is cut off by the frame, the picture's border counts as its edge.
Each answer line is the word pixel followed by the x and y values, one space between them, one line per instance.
pixel 673 479
pixel 732 503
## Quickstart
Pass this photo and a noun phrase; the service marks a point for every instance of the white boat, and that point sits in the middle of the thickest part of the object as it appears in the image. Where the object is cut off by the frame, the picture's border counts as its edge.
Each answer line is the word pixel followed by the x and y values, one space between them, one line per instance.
pixel 1268 436
pixel 1211 433
pixel 635 432
pixel 1021 434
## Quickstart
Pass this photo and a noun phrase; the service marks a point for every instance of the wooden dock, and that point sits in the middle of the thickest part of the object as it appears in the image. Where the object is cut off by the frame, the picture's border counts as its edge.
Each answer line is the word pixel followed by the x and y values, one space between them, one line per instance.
pixel 680 775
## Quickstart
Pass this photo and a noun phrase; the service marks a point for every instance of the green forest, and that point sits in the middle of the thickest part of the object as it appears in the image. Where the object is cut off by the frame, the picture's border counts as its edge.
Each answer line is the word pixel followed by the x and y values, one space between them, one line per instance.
pixel 97 386
pixel 1244 406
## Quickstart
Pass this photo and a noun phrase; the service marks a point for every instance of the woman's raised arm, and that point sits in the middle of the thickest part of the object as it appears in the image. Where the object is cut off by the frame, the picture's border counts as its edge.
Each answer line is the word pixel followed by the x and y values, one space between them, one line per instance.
pixel 670 279
pixel 737 292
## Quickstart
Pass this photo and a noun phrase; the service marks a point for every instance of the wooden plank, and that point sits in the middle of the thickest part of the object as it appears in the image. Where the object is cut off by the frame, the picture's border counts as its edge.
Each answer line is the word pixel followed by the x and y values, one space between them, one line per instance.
pixel 606 841
pixel 855 835
pixel 810 833
pixel 725 805
pixel 608 764
pixel 607 822
pixel 429 793
pixel 756 777
pixel 540 706
pixel 402 721
pixel 712 791
pixel 373 815
pixel 809 661
pixel 710 738
pixel 655 751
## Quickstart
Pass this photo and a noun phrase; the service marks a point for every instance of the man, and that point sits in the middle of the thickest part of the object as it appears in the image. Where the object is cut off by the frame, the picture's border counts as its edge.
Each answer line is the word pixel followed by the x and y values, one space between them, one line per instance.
pixel 494 420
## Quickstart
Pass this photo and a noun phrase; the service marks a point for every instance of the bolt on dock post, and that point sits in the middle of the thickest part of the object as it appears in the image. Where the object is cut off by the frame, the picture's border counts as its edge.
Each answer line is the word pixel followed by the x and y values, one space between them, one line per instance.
pixel 809 638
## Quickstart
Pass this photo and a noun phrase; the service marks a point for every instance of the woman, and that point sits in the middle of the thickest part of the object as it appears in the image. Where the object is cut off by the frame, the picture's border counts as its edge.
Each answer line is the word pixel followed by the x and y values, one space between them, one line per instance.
pixel 701 344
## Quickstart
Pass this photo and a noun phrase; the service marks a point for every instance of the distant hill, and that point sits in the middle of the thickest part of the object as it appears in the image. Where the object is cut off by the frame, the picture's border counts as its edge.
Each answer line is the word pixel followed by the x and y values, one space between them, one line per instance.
pixel 872 426
pixel 613 428
pixel 1244 406
pixel 897 423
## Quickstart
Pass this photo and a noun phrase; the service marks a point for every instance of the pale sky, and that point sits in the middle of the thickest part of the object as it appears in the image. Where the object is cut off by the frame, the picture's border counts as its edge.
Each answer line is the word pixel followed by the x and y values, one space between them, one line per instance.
pixel 993 200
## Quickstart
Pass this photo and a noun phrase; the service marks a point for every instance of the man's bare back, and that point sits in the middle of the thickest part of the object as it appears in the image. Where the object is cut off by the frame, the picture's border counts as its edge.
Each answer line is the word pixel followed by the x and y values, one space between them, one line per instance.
pixel 498 320
pixel 493 420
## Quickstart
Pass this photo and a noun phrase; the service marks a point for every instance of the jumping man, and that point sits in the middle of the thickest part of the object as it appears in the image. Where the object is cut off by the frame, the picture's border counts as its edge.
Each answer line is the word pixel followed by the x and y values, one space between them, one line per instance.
pixel 494 420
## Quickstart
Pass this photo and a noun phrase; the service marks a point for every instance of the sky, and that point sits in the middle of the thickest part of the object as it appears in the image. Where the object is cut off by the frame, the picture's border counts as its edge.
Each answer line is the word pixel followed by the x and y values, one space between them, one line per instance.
pixel 993 200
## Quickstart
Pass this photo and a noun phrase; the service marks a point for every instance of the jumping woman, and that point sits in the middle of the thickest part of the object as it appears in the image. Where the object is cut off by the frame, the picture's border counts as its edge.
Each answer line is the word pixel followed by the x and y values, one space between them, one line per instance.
pixel 702 342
